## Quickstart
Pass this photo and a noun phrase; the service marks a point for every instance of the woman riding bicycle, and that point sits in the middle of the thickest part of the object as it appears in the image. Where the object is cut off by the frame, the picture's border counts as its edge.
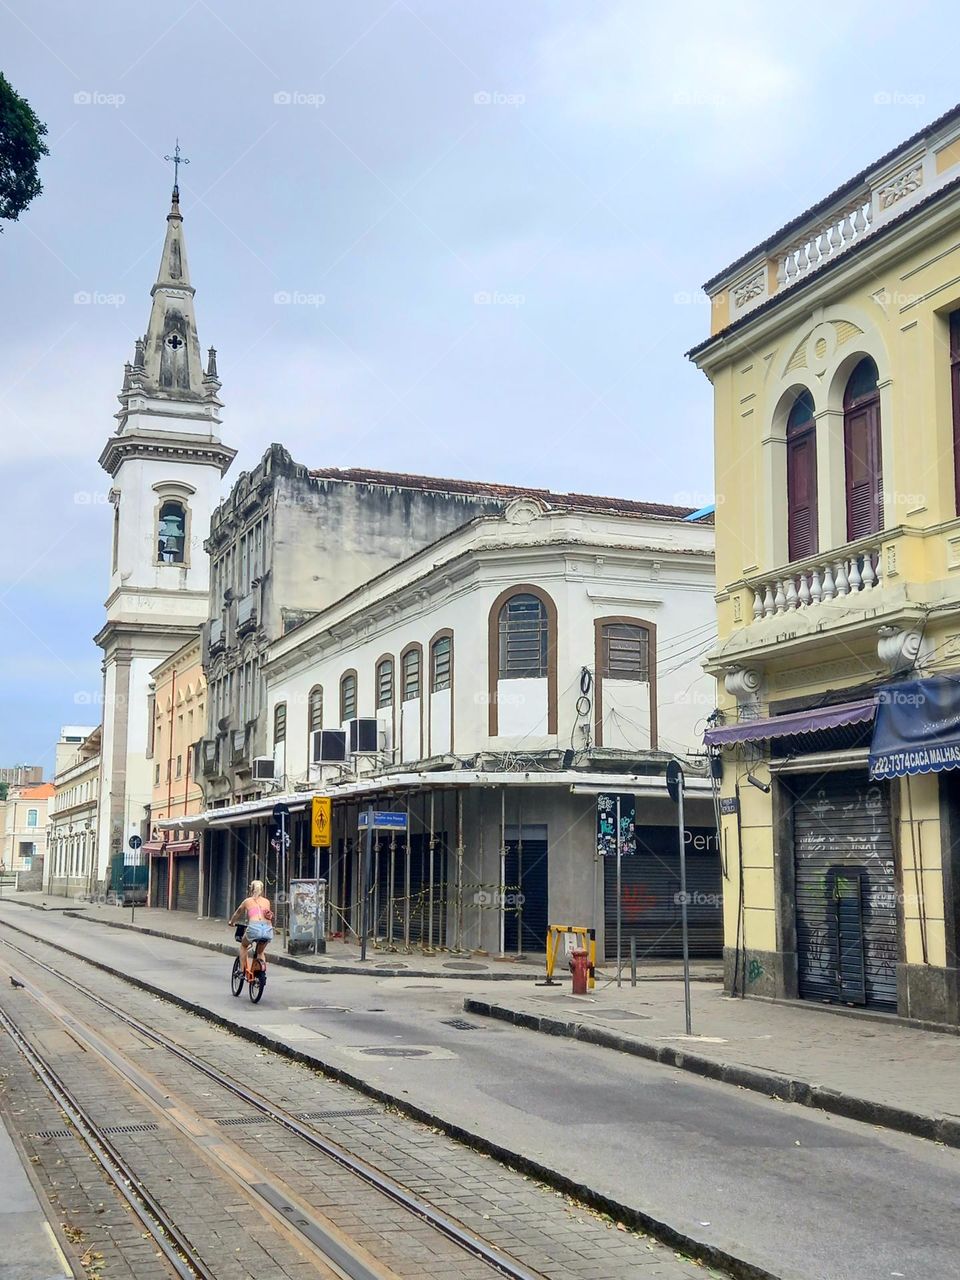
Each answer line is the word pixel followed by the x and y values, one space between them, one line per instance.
pixel 259 930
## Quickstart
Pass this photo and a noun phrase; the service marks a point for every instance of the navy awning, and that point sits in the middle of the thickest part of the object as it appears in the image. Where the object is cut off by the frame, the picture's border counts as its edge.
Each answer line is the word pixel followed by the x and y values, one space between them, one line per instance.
pixel 795 722
pixel 917 728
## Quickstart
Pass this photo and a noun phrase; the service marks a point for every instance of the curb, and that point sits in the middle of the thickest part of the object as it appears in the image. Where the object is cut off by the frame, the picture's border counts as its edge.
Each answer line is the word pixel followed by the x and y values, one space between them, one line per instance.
pixel 782 1088
pixel 701 1251
pixel 288 962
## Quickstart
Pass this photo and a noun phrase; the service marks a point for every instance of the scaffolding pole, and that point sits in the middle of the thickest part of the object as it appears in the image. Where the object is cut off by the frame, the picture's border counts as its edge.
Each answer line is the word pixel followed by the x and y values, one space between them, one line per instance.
pixel 459 940
pixel 430 871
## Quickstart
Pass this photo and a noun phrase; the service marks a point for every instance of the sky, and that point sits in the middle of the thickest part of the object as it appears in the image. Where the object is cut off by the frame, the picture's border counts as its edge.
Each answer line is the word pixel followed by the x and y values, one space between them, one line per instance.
pixel 458 238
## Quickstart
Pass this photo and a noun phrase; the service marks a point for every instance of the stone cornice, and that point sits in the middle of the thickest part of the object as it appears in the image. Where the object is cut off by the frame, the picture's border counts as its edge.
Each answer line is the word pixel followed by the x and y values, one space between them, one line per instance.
pixel 184 448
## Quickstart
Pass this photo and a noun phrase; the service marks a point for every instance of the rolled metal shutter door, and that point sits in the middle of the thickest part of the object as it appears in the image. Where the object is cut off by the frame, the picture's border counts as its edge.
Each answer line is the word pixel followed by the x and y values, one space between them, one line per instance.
pixel 846 891
pixel 650 890
pixel 188 884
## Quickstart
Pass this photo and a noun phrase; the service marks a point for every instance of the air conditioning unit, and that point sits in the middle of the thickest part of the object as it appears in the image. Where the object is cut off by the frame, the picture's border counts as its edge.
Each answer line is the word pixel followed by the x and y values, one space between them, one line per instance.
pixel 363 736
pixel 328 746
pixel 264 769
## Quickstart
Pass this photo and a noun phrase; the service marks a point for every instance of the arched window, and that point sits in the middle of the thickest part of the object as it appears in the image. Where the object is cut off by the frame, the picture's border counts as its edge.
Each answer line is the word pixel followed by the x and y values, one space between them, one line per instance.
pixel 315 709
pixel 441 663
pixel 279 723
pixel 625 652
pixel 861 446
pixel 955 398
pixel 385 682
pixel 802 539
pixel 411 675
pixel 172 532
pixel 348 696
pixel 523 638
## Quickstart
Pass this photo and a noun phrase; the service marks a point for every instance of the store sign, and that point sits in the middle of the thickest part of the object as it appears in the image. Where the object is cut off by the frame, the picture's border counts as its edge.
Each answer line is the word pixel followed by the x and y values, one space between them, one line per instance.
pixel 607 810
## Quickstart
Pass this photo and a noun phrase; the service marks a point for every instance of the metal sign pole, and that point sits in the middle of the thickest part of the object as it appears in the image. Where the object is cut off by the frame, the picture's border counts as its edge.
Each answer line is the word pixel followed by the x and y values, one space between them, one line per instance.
pixel 365 882
pixel 683 906
pixel 619 902
pixel 316 900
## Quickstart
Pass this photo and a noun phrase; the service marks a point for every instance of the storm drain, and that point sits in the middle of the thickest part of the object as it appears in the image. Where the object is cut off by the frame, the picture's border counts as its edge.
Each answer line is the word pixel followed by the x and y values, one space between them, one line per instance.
pixel 337 1115
pixel 234 1121
pixel 460 1024
pixel 130 1128
pixel 52 1133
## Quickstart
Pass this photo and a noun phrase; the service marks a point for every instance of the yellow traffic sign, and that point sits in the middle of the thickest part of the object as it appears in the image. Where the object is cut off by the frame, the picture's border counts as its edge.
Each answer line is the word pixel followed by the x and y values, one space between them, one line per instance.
pixel 321 822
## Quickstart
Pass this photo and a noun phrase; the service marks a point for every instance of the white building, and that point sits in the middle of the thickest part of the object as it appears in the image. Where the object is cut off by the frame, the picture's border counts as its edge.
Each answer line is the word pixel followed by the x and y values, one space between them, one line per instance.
pixel 165 461
pixel 515 668
pixel 72 834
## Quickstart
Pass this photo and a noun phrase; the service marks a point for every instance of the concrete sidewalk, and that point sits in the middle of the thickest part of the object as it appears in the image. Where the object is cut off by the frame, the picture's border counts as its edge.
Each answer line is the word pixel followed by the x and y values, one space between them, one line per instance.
pixel 864 1067
pixel 341 957
pixel 30 1249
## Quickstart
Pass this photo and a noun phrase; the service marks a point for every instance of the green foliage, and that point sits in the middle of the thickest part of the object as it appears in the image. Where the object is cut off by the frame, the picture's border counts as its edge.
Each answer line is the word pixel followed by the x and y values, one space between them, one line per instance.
pixel 4 787
pixel 21 146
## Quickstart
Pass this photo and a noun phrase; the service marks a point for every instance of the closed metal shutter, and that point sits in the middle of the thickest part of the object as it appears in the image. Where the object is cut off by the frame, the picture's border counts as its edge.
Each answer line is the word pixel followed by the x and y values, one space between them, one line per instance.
pixel 650 894
pixel 846 890
pixel 525 873
pixel 160 882
pixel 187 889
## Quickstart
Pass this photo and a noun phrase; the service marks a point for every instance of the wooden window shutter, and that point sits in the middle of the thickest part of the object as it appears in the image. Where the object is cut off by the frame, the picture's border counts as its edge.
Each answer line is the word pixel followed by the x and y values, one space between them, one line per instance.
pixel 802 536
pixel 864 480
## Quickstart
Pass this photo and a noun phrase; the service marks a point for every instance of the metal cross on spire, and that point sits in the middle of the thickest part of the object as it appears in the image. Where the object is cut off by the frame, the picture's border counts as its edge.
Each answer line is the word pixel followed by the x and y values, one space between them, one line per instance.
pixel 178 160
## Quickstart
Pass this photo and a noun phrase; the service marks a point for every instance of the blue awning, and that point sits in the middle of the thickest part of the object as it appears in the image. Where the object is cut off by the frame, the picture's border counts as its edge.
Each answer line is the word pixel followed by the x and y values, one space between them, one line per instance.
pixel 917 729
pixel 795 722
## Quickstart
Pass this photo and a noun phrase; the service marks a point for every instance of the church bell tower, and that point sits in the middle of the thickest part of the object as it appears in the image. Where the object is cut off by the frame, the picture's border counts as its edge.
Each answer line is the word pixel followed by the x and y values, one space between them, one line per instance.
pixel 165 461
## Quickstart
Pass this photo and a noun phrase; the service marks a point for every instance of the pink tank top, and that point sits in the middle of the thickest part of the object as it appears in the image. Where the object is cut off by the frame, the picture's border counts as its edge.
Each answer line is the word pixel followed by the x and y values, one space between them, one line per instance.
pixel 254 910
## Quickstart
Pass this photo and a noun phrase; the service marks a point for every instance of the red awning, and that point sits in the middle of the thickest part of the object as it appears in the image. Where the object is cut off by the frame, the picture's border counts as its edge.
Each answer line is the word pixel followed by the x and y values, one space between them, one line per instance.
pixel 153 847
pixel 181 846
pixel 796 722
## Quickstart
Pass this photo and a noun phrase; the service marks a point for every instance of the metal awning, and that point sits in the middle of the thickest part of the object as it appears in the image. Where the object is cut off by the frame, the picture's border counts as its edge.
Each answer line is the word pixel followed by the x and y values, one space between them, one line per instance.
pixel 796 722
pixel 648 785
pixel 153 846
pixel 180 846
pixel 917 728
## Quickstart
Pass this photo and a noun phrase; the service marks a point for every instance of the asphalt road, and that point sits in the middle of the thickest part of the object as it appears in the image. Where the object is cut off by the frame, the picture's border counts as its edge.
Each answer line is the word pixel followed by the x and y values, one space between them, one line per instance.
pixel 804 1195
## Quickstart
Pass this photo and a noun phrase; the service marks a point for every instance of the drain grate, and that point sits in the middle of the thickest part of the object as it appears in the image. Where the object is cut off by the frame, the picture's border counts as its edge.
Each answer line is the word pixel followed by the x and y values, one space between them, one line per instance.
pixel 52 1133
pixel 337 1115
pixel 130 1128
pixel 460 1024
pixel 233 1121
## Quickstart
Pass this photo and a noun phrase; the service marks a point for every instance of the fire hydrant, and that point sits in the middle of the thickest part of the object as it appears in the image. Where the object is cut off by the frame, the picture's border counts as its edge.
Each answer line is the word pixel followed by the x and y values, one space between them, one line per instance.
pixel 580 969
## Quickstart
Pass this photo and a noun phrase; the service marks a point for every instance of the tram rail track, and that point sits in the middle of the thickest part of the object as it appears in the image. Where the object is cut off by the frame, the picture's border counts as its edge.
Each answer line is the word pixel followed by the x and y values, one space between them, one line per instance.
pixel 184 1256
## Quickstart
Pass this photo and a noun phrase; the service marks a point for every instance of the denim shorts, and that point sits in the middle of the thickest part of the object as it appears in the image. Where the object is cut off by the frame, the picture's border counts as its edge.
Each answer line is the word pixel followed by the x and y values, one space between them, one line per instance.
pixel 258 931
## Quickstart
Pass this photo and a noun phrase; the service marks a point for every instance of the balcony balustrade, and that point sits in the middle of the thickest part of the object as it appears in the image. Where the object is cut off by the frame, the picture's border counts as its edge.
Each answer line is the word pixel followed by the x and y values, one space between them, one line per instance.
pixel 853 570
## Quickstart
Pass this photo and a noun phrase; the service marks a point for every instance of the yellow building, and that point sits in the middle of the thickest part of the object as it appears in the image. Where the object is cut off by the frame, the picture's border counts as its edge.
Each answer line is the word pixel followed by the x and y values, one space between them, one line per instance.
pixel 177 710
pixel 835 361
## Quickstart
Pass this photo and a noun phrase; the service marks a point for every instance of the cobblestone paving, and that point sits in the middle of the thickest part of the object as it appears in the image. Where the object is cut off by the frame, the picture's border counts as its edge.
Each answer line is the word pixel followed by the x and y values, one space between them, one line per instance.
pixel 546 1231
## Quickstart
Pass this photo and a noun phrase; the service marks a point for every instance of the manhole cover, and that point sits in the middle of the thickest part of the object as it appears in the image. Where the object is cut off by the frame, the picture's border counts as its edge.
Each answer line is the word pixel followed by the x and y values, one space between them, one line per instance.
pixel 615 1015
pixel 463 964
pixel 424 986
pixel 395 1051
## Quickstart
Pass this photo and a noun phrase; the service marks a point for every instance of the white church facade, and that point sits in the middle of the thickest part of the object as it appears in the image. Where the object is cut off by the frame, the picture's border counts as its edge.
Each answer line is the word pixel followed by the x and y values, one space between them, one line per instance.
pixel 165 461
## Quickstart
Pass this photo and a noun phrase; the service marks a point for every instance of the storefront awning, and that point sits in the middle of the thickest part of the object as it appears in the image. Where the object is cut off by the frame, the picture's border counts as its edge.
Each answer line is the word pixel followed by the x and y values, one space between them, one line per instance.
pixel 180 846
pixel 797 722
pixel 917 728
pixel 153 847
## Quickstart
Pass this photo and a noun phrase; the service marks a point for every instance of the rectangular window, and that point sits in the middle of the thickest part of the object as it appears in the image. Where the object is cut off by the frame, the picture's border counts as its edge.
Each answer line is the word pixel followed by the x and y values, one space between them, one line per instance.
pixel 156 776
pixel 523 638
pixel 179 766
pixel 626 652
pixel 32 817
pixel 440 656
pixel 411 674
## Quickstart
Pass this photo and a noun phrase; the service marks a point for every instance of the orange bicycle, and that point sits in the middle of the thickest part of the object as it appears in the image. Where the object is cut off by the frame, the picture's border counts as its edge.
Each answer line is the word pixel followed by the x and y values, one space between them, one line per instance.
pixel 256 979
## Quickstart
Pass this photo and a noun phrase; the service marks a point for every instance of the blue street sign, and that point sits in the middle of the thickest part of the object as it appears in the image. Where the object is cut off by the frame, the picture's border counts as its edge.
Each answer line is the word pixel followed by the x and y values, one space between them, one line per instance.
pixel 383 820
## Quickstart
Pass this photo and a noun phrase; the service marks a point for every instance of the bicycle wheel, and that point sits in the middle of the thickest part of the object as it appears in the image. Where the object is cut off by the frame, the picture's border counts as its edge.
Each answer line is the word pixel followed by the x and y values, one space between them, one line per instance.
pixel 257 984
pixel 236 977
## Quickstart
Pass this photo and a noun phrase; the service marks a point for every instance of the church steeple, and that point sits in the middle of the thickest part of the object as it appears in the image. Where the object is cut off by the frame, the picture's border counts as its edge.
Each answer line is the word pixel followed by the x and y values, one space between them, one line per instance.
pixel 166 388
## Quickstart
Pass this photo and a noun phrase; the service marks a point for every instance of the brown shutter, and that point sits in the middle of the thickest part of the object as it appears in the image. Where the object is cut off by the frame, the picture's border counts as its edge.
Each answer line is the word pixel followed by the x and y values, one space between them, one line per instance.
pixel 802 540
pixel 864 479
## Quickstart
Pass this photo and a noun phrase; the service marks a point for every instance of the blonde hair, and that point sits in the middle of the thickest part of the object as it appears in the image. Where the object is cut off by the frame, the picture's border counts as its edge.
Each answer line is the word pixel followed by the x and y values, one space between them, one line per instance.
pixel 256 888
